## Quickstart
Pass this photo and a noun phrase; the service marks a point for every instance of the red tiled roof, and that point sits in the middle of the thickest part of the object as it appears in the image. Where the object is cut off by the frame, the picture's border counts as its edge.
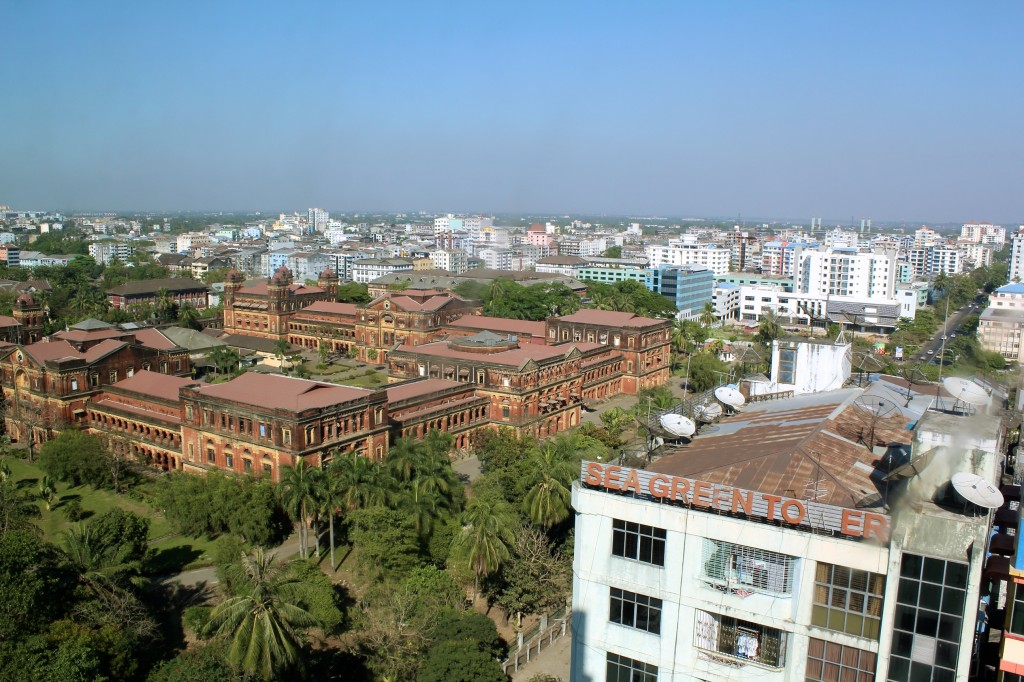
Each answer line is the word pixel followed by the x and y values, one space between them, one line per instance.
pixel 499 324
pixel 8 321
pixel 281 392
pixel 432 303
pixel 414 389
pixel 154 384
pixel 331 307
pixel 102 349
pixel 611 318
pixel 514 357
pixel 80 335
pixel 41 351
pixel 154 338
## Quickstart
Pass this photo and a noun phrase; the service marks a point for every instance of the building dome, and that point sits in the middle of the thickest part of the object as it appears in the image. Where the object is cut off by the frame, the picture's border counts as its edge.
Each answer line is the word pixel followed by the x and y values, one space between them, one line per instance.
pixel 25 300
pixel 282 276
pixel 233 276
pixel 328 273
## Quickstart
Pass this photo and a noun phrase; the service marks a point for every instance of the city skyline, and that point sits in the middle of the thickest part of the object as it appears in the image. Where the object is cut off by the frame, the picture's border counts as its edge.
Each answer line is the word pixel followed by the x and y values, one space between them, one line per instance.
pixel 866 111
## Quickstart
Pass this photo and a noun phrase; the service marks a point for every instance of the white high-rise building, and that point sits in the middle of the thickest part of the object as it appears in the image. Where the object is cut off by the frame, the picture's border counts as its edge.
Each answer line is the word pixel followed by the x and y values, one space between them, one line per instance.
pixel 680 252
pixel 847 272
pixel 1016 272
pixel 455 262
pixel 945 261
pixel 983 233
pixel 317 219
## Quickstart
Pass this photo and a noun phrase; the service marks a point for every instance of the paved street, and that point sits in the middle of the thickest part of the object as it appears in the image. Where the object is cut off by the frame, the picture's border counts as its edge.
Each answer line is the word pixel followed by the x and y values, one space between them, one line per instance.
pixel 554 660
pixel 952 326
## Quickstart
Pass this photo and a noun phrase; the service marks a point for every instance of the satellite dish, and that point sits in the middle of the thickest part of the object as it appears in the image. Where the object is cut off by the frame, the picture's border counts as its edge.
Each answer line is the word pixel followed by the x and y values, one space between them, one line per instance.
pixel 878 408
pixel 867 362
pixel 965 391
pixel 977 490
pixel 678 425
pixel 872 500
pixel 708 413
pixel 730 397
pixel 913 467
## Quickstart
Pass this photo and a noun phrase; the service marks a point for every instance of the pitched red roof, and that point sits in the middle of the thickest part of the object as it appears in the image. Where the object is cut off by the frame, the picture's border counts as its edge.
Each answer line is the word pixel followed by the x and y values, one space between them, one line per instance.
pixel 331 308
pixel 154 384
pixel 102 349
pixel 499 324
pixel 281 392
pixel 514 357
pixel 8 321
pixel 611 318
pixel 41 351
pixel 414 389
pixel 154 338
pixel 262 290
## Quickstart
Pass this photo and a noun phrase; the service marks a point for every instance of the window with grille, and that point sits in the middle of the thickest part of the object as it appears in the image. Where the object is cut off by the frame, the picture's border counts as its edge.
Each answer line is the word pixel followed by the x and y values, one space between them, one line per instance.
pixel 622 669
pixel 1017 615
pixel 638 542
pixel 635 610
pixel 740 639
pixel 831 662
pixel 745 570
pixel 847 600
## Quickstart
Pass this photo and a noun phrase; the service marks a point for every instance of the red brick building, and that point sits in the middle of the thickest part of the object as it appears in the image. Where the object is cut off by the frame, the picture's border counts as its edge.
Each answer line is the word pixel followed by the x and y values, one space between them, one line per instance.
pixel 47 384
pixel 179 289
pixel 264 309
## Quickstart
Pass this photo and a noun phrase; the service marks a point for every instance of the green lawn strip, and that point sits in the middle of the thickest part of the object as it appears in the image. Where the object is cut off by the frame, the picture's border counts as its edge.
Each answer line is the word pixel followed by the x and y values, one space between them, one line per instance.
pixel 174 552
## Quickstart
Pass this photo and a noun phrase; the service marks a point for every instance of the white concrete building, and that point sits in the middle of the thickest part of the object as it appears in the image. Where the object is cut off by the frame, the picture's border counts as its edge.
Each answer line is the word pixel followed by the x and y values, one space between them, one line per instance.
pixel 795 308
pixel 945 261
pixel 766 551
pixel 365 270
pixel 726 299
pixel 1016 271
pixel 104 252
pixel 925 236
pixel 317 219
pixel 847 272
pixel 1001 326
pixel 682 252
pixel 810 366
pixel 455 262
pixel 496 259
pixel 983 233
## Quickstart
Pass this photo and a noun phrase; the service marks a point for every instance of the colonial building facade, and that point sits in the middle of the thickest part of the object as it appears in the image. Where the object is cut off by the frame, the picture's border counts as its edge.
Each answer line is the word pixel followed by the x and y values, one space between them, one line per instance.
pixel 264 309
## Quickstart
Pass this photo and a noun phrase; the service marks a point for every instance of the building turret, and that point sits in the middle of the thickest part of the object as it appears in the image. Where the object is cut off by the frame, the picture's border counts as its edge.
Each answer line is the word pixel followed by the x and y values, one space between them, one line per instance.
pixel 30 315
pixel 328 281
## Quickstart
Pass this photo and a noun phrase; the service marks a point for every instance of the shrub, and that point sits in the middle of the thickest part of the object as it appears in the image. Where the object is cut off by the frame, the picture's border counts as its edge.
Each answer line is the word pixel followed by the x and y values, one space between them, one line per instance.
pixel 73 511
pixel 195 619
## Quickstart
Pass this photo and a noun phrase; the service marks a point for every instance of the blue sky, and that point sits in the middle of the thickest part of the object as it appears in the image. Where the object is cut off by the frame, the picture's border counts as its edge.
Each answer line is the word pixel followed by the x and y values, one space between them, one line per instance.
pixel 896 111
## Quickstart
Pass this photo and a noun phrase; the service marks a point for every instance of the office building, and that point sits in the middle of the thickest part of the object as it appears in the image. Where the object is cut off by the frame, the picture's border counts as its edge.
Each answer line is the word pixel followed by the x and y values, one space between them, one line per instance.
pixel 688 287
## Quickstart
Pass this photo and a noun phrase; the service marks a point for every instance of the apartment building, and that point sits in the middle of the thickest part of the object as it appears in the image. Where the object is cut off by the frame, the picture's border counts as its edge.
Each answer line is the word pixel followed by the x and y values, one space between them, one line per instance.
pixel 683 252
pixel 1016 270
pixel 689 287
pixel 847 272
pixel 365 270
pixel 983 233
pixel 104 252
pixel 769 550
pixel 781 258
pixel 456 262
pixel 1002 323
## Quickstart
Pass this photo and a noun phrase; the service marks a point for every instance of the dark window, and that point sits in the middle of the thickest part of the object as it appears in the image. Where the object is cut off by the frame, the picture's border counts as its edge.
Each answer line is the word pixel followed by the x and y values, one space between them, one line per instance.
pixel 927 629
pixel 639 542
pixel 635 610
pixel 211 456
pixel 740 639
pixel 622 669
pixel 741 569
pixel 1017 617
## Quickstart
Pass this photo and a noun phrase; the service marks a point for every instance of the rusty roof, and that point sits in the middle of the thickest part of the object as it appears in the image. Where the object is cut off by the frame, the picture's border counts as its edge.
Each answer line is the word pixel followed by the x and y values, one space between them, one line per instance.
pixel 41 351
pixel 415 389
pixel 500 324
pixel 611 318
pixel 797 448
pixel 514 357
pixel 331 308
pixel 154 338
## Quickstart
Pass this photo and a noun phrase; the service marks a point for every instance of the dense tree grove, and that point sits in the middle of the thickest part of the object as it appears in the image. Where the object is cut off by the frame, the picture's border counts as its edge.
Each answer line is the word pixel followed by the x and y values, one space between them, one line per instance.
pixel 630 297
pixel 505 298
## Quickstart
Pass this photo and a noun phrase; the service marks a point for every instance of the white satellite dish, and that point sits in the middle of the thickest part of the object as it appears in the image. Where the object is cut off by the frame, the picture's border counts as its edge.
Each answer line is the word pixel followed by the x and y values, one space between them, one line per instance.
pixel 678 425
pixel 708 413
pixel 729 396
pixel 977 490
pixel 965 391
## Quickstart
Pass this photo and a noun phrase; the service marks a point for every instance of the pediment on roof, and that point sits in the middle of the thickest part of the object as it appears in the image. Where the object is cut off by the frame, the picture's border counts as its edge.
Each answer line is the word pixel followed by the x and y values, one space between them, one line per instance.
pixel 528 365
pixel 573 353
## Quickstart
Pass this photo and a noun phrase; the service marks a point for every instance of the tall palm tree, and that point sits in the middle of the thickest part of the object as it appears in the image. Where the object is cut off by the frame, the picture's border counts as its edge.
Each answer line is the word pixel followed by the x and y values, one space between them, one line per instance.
pixel 330 495
pixel 707 316
pixel 548 500
pixel 47 491
pixel 262 623
pixel 362 482
pixel 769 329
pixel 402 458
pixel 298 494
pixel 103 569
pixel 423 505
pixel 486 537
pixel 680 336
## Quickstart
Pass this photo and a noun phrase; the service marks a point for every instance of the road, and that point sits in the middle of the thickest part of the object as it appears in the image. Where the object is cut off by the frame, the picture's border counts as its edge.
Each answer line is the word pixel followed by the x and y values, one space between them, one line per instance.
pixel 952 327
pixel 208 574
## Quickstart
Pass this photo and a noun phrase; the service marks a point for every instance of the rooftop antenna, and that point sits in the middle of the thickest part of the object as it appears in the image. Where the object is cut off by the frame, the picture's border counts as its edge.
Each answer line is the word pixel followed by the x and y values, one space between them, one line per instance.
pixel 870 410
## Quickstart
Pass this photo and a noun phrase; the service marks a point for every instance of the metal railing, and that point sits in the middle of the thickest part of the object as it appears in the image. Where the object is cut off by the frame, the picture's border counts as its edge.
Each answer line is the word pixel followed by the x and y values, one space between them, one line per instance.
pixel 533 640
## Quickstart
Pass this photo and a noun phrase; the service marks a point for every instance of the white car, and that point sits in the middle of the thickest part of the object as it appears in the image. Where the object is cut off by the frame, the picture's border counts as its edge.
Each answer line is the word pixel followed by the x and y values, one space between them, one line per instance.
pixel 931 352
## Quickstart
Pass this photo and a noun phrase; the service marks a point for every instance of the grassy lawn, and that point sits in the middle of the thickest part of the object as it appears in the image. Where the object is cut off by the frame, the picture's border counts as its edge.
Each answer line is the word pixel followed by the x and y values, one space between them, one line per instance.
pixel 362 379
pixel 173 552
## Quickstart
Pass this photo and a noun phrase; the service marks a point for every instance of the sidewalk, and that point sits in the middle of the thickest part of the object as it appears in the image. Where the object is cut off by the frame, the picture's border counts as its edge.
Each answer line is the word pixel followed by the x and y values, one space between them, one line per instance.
pixel 554 660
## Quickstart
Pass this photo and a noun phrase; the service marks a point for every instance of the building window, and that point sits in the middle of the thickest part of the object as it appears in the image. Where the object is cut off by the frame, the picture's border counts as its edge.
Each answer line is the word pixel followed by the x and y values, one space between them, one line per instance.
pixel 248 465
pixel 929 619
pixel 266 469
pixel 847 600
pixel 211 456
pixel 622 669
pixel 743 570
pixel 74 384
pixel 229 461
pixel 638 542
pixel 829 662
pixel 286 436
pixel 740 639
pixel 191 452
pixel 188 412
pixel 310 434
pixel 1017 615
pixel 506 412
pixel 787 365
pixel 635 610
pixel 94 380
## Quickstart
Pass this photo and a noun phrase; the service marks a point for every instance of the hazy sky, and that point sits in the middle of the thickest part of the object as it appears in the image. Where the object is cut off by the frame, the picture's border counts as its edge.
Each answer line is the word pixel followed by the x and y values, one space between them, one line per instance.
pixel 900 111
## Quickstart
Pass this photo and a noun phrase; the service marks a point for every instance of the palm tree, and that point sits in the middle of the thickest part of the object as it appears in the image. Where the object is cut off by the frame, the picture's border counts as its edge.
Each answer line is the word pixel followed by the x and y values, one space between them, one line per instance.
pixel 486 536
pixel 707 316
pixel 548 500
pixel 298 494
pixel 361 481
pixel 680 336
pixel 402 458
pixel 188 317
pixel 47 491
pixel 769 329
pixel 103 569
pixel 5 471
pixel 423 505
pixel 330 494
pixel 262 623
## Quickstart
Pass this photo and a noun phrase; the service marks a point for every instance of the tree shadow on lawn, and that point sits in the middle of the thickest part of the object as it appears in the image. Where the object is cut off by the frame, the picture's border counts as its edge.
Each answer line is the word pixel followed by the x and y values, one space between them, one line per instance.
pixel 172 559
